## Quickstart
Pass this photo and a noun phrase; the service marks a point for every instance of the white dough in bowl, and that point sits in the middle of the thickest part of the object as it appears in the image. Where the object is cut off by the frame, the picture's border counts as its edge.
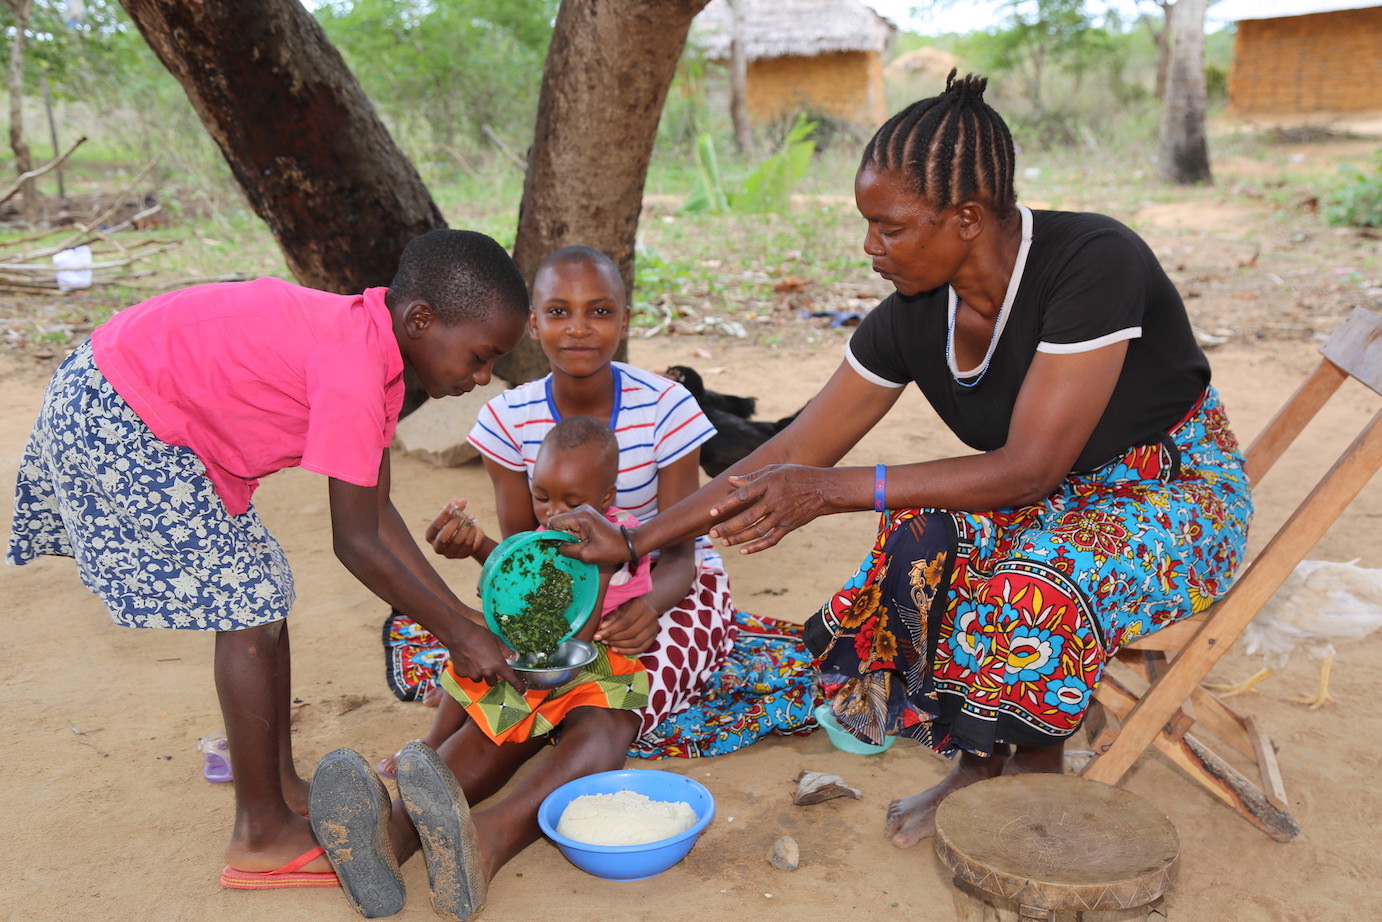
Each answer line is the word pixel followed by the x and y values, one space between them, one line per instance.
pixel 623 818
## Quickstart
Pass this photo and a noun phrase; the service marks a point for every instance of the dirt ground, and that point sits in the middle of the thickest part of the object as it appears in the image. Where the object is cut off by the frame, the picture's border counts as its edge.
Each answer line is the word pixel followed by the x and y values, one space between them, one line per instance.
pixel 107 816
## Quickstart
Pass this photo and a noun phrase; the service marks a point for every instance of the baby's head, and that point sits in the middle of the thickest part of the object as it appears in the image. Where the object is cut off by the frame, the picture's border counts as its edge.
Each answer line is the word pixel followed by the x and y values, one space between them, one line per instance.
pixel 580 309
pixel 577 464
pixel 458 303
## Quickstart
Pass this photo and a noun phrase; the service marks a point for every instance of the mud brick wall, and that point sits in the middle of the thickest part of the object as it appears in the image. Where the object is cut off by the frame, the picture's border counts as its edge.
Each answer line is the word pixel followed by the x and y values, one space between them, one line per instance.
pixel 845 84
pixel 1323 62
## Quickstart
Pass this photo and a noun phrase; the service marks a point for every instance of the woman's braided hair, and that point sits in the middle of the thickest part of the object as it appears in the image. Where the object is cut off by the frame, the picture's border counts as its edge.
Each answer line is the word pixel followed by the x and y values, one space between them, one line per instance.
pixel 954 147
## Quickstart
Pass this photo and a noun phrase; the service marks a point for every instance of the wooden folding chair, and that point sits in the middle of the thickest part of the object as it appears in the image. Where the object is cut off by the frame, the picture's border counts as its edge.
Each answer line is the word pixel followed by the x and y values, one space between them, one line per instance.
pixel 1169 666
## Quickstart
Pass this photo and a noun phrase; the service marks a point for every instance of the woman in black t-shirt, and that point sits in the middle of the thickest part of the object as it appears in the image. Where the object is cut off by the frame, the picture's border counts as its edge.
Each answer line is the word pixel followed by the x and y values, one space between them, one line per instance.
pixel 1106 497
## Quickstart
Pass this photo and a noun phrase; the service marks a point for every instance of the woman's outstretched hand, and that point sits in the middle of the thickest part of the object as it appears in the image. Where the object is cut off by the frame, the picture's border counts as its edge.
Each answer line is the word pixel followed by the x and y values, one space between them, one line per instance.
pixel 598 540
pixel 768 503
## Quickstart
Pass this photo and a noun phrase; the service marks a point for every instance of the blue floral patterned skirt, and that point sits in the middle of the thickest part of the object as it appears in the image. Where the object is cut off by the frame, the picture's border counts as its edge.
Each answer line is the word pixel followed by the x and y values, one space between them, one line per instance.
pixel 147 529
pixel 965 630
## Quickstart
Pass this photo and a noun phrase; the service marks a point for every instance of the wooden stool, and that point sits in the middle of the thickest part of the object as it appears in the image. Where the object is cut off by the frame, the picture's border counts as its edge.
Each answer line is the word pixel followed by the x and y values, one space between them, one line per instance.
pixel 1055 844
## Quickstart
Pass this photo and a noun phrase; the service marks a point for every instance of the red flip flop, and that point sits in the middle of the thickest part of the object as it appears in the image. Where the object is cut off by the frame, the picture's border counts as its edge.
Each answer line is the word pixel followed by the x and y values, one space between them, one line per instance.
pixel 285 877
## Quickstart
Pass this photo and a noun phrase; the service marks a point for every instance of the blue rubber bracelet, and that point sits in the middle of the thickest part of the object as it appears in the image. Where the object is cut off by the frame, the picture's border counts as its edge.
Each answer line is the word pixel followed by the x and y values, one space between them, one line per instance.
pixel 880 481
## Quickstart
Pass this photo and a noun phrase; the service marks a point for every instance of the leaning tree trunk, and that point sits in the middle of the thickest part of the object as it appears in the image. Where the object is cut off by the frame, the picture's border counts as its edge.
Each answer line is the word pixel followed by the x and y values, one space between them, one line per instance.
pixel 301 138
pixel 608 70
pixel 1182 151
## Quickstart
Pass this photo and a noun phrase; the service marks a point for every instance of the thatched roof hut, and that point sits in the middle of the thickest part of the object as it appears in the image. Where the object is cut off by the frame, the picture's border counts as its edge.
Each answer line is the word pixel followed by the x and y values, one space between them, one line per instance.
pixel 1306 56
pixel 822 57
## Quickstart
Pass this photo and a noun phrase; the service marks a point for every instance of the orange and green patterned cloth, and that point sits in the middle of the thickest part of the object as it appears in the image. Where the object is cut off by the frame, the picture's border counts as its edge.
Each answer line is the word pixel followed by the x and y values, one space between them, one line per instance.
pixel 765 686
pixel 610 681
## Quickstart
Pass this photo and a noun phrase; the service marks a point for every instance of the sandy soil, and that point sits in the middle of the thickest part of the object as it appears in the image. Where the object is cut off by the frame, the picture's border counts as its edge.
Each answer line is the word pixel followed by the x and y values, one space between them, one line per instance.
pixel 108 816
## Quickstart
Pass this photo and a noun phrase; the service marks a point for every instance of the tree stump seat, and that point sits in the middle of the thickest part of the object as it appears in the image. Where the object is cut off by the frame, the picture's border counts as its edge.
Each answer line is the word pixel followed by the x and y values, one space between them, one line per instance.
pixel 1060 847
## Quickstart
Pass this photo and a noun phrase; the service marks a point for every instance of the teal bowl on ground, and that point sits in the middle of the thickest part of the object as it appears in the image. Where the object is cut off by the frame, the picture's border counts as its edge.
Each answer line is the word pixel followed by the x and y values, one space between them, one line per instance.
pixel 628 862
pixel 511 574
pixel 842 739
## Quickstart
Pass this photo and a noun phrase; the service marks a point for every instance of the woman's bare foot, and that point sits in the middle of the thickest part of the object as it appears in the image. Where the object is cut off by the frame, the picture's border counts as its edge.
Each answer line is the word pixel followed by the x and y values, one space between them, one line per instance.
pixel 911 819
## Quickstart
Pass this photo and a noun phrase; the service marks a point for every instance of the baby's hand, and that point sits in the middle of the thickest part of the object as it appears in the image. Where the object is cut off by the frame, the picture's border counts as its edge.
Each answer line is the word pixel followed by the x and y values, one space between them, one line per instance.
pixel 454 533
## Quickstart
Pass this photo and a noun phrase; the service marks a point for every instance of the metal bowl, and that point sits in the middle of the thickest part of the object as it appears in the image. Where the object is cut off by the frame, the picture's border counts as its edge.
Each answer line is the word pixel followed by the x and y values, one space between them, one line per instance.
pixel 555 669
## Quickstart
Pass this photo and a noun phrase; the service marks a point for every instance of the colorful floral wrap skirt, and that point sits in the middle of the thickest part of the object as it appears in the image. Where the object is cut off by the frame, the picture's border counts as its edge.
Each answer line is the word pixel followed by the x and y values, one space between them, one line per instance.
pixel 148 531
pixel 965 630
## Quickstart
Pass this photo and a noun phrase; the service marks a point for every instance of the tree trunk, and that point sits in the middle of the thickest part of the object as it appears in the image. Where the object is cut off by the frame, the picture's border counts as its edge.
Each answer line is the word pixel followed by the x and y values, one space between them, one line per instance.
pixel 23 160
pixel 608 70
pixel 301 138
pixel 1160 37
pixel 1182 151
pixel 738 80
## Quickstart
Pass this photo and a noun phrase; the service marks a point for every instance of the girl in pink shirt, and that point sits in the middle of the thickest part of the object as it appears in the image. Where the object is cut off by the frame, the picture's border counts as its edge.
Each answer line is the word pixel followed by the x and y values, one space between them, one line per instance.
pixel 153 436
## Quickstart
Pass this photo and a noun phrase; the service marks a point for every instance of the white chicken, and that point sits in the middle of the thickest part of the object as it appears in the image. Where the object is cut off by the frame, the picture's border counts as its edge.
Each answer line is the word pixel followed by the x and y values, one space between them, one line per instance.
pixel 1321 603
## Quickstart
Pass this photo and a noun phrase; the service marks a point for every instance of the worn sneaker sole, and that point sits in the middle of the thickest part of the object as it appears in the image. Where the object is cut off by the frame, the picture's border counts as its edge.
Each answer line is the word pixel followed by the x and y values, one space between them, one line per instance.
pixel 349 811
pixel 441 815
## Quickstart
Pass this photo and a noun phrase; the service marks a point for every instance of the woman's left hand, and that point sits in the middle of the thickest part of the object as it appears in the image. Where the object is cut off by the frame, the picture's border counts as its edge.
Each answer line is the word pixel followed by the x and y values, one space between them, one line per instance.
pixel 768 503
pixel 598 541
pixel 630 629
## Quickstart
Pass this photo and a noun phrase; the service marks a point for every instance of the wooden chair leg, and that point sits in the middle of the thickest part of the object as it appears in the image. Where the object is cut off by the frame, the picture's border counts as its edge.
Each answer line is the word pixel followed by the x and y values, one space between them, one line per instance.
pixel 1230 785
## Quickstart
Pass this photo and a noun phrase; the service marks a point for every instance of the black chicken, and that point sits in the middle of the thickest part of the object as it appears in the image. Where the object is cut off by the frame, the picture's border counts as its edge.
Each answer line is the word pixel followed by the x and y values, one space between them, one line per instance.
pixel 736 435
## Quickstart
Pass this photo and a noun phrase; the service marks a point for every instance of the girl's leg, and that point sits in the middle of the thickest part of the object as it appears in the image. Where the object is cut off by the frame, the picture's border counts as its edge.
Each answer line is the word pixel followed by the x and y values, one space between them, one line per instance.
pixel 448 720
pixel 251 683
pixel 481 768
pixel 593 739
pixel 450 717
pixel 295 789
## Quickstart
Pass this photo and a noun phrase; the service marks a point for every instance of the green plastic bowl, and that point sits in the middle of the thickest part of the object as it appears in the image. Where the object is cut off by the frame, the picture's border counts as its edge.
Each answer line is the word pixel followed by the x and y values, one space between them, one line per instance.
pixel 842 739
pixel 511 574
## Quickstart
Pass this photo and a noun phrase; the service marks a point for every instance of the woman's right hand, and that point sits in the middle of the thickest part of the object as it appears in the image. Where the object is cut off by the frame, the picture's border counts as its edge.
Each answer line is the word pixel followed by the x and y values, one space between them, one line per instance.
pixel 598 540
pixel 767 504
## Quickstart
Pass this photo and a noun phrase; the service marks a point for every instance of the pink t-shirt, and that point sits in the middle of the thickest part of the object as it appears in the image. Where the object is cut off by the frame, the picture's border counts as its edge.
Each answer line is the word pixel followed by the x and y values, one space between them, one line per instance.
pixel 258 376
pixel 624 585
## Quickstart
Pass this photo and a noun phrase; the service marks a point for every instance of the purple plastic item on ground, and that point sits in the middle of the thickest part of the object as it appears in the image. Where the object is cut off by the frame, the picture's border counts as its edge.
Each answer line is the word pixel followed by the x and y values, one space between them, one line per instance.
pixel 215 751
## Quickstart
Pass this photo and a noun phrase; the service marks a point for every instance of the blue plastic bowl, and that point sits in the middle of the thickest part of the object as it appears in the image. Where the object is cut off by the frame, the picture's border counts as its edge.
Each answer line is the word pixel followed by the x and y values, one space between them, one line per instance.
pixel 628 862
pixel 843 739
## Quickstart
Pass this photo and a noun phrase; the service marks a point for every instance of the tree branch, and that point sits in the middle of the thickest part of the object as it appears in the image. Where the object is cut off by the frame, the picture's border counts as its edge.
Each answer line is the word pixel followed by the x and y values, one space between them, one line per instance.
pixel 13 190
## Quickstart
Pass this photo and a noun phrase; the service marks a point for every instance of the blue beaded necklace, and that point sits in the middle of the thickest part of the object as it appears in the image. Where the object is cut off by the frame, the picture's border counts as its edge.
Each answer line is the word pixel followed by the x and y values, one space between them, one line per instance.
pixel 1009 296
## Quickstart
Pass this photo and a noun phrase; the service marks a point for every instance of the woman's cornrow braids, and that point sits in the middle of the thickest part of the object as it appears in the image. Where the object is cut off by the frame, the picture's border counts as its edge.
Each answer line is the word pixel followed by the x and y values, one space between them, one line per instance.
pixel 953 147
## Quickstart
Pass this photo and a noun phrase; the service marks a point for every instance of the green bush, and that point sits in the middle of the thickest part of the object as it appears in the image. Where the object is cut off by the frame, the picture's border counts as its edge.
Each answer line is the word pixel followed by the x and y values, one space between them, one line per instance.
pixel 1357 202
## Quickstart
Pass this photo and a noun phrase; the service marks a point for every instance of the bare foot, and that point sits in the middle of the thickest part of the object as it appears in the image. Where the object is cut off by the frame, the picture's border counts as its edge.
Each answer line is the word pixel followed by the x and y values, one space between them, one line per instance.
pixel 293 840
pixel 911 819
